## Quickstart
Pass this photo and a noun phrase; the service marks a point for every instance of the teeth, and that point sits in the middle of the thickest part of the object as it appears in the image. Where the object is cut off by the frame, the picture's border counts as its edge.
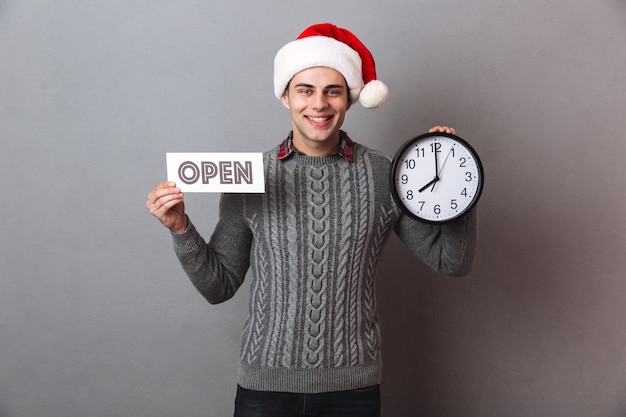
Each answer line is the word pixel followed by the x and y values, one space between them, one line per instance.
pixel 318 119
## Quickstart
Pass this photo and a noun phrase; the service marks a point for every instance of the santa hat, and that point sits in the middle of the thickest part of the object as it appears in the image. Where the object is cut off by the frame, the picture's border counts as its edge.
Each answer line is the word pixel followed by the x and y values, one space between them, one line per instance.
pixel 326 45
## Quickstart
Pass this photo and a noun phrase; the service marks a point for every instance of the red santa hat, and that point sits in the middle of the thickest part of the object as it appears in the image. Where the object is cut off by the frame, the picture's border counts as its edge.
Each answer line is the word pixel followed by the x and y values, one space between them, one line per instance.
pixel 326 45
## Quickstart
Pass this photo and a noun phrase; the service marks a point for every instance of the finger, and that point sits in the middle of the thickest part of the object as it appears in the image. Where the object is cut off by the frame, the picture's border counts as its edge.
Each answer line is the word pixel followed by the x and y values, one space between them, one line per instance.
pixel 166 184
pixel 442 129
pixel 166 215
pixel 162 189
pixel 164 203
pixel 163 185
pixel 162 200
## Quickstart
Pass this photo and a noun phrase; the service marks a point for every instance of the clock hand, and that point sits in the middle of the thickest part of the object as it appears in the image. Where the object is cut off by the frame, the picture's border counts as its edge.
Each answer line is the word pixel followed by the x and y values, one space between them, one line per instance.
pixel 436 162
pixel 441 169
pixel 432 182
pixel 444 162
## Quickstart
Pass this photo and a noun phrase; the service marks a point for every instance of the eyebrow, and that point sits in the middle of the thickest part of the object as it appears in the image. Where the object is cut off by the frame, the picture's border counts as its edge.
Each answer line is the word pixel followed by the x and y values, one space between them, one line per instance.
pixel 326 87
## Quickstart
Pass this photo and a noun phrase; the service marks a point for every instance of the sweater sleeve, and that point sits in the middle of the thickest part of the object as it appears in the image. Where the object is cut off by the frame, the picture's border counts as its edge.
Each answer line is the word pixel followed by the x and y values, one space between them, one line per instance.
pixel 448 248
pixel 217 268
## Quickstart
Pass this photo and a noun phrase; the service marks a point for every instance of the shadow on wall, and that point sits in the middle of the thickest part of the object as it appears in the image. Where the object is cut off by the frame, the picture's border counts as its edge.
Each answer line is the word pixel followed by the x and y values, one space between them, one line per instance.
pixel 533 317
pixel 408 298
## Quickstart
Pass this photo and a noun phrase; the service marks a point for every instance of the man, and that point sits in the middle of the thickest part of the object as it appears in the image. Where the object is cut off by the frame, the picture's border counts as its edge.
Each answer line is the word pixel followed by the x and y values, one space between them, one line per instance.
pixel 311 243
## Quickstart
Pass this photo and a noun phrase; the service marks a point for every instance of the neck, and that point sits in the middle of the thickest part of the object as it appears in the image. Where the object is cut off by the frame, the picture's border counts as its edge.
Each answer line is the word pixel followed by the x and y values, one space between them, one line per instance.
pixel 313 148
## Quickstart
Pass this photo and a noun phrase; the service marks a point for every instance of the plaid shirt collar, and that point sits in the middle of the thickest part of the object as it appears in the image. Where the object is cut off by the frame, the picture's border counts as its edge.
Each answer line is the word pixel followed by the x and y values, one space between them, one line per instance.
pixel 345 149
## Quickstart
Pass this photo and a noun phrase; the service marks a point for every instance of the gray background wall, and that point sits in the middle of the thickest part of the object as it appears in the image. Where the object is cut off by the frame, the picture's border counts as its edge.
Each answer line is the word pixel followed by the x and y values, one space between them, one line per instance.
pixel 96 316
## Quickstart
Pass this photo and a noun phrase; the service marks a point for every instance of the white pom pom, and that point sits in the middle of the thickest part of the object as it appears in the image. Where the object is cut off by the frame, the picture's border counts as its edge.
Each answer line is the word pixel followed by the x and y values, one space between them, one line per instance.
pixel 374 94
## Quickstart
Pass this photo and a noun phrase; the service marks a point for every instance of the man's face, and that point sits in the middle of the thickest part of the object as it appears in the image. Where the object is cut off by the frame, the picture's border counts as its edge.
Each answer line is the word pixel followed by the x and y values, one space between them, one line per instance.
pixel 317 99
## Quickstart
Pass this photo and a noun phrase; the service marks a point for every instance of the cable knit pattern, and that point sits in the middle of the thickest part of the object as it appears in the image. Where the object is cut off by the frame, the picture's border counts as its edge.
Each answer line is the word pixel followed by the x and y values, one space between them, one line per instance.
pixel 259 298
pixel 343 260
pixel 372 327
pixel 272 230
pixel 316 312
pixel 310 246
pixel 292 265
pixel 362 234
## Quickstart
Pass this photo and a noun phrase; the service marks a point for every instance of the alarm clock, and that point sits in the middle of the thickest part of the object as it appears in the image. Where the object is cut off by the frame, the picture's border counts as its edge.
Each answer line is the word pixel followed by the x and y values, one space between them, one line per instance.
pixel 436 177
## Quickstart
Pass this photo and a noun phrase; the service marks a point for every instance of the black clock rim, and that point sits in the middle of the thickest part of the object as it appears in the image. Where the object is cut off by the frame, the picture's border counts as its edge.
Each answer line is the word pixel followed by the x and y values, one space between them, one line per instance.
pixel 394 165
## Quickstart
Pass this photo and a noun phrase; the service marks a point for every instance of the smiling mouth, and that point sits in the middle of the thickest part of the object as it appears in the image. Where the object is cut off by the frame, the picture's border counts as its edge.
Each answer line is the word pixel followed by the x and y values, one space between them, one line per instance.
pixel 319 119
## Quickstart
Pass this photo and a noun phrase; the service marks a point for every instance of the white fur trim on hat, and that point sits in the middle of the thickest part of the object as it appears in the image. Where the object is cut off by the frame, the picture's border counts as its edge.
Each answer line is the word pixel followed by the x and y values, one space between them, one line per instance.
pixel 374 94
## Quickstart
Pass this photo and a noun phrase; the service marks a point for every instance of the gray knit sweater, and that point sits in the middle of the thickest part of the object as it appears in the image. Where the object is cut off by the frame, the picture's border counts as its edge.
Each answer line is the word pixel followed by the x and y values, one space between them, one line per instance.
pixel 310 246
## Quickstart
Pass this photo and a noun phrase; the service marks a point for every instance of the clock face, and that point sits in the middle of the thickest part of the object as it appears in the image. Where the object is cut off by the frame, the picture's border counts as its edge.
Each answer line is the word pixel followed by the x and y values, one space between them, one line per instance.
pixel 436 177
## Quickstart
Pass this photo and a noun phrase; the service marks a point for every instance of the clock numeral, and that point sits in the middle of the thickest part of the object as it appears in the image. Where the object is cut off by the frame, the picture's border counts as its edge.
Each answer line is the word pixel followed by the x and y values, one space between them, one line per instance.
pixel 464 192
pixel 434 147
pixel 404 179
pixel 468 176
pixel 463 161
pixel 437 209
pixel 420 152
pixel 453 204
pixel 421 203
pixel 409 195
pixel 410 163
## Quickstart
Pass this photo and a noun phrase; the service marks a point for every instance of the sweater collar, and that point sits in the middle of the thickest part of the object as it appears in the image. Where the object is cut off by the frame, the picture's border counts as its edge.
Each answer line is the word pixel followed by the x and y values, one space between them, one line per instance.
pixel 345 149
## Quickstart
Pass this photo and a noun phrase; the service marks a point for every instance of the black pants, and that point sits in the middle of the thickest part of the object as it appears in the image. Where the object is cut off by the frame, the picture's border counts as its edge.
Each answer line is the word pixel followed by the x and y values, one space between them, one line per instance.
pixel 363 402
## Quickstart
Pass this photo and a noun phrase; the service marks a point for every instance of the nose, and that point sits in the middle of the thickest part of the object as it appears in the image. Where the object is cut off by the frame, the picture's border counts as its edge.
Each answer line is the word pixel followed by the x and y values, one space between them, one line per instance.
pixel 319 100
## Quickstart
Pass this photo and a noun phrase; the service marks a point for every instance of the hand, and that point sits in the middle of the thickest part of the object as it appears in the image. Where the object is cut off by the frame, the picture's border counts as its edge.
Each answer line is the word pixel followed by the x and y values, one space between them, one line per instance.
pixel 165 202
pixel 442 129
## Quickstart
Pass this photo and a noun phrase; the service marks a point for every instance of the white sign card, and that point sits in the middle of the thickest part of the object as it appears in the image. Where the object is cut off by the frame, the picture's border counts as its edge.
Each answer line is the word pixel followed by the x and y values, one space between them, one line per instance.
pixel 216 172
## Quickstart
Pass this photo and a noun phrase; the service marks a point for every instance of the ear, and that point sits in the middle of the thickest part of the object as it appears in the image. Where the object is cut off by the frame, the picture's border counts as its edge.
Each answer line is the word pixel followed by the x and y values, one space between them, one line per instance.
pixel 285 100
